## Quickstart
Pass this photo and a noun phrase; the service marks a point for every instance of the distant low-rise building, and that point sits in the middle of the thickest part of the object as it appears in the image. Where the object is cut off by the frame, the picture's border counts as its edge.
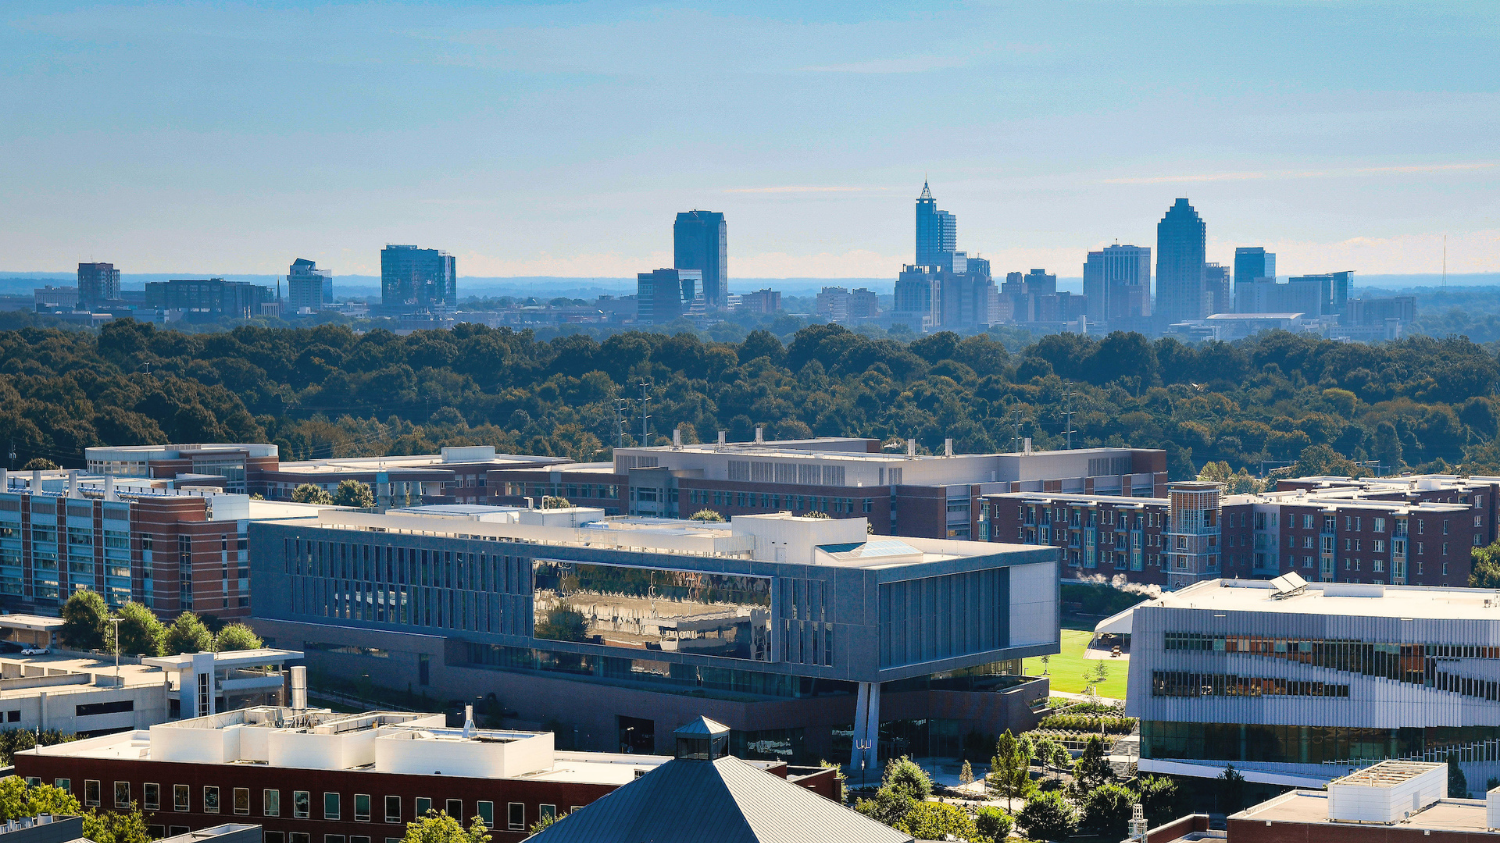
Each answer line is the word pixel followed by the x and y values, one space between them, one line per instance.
pixel 49 298
pixel 762 301
pixel 208 299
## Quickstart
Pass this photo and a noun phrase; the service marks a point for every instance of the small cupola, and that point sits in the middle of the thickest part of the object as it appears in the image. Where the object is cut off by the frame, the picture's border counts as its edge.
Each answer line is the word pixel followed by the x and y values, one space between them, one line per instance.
pixel 701 739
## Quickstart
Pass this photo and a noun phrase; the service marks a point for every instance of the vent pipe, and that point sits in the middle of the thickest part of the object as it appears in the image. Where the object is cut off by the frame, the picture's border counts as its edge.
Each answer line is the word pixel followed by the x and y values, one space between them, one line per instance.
pixel 109 488
pixel 4 480
pixel 721 438
pixel 299 689
pixel 469 721
pixel 73 483
pixel 760 435
pixel 947 447
pixel 1026 445
pixel 36 480
pixel 911 447
pixel 676 438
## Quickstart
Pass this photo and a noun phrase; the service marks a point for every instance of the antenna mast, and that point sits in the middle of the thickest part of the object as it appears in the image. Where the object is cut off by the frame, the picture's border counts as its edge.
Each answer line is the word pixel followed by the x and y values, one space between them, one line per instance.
pixel 645 417
pixel 1068 409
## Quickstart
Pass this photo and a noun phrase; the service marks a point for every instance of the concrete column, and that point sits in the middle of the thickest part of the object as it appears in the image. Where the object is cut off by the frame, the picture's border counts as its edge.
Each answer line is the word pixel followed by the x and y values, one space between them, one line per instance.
pixel 860 703
pixel 872 730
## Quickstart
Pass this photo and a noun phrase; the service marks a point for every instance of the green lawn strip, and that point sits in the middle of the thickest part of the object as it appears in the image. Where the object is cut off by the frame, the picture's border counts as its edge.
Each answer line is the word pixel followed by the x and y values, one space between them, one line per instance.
pixel 1068 668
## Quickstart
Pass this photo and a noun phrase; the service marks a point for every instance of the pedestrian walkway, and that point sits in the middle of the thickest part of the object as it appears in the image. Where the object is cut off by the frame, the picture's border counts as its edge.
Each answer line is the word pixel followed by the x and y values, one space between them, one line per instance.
pixel 1086 698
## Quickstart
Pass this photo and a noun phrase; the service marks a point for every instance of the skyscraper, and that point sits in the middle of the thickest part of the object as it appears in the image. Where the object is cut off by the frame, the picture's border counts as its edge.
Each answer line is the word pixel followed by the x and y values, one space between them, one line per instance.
pixel 98 283
pixel 1216 288
pixel 1252 262
pixel 417 279
pixel 308 287
pixel 665 295
pixel 937 232
pixel 1181 239
pixel 1117 283
pixel 700 240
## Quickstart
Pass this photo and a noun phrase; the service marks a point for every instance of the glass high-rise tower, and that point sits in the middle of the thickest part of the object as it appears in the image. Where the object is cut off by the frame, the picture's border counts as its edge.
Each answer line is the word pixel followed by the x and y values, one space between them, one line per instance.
pixel 700 240
pixel 1181 239
pixel 417 279
pixel 937 232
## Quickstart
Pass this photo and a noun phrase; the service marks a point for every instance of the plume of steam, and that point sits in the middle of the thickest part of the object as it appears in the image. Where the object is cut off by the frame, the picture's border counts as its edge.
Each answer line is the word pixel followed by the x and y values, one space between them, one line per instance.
pixel 1119 583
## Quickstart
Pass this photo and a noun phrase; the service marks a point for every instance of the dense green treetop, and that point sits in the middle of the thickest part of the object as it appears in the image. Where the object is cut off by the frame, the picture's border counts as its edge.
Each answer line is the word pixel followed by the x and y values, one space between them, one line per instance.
pixel 327 391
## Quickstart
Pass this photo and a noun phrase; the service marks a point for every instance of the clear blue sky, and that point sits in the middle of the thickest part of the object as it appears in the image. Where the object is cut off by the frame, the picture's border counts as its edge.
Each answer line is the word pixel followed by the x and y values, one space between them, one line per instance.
pixel 560 138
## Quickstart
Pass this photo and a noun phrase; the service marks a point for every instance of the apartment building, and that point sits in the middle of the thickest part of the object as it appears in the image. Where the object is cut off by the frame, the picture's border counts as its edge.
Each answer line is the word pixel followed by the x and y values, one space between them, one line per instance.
pixel 315 776
pixel 1400 533
pixel 171 549
pixel 906 494
pixel 798 633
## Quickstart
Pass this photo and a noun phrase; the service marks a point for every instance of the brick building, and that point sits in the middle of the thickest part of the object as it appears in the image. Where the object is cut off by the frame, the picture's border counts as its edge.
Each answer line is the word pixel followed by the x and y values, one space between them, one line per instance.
pixel 1418 531
pixel 313 776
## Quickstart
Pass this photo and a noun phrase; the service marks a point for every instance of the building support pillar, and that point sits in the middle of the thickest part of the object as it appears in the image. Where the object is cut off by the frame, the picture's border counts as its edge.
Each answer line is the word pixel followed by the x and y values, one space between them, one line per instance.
pixel 866 737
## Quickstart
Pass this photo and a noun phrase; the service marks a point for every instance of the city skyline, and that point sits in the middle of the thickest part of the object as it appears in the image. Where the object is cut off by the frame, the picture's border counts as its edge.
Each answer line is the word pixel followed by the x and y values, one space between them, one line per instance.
pixel 1373 134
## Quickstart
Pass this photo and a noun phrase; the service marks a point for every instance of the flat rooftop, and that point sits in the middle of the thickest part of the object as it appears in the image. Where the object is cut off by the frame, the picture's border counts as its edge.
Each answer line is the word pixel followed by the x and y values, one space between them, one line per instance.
pixel 1387 773
pixel 1346 599
pixel 834 541
pixel 1310 807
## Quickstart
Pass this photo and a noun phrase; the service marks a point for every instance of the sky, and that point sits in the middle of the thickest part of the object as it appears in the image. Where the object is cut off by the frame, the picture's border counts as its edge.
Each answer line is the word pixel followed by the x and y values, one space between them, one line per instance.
pixel 538 138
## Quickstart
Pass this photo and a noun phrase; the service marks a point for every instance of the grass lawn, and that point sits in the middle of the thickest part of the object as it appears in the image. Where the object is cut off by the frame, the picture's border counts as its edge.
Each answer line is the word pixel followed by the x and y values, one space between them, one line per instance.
pixel 1068 668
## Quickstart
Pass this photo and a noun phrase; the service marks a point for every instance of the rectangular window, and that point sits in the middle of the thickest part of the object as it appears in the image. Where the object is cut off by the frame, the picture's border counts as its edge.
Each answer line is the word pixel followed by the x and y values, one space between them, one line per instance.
pixel 393 809
pixel 90 792
pixel 333 838
pixel 362 807
pixel 66 785
pixel 273 837
pixel 330 806
pixel 180 797
pixel 516 820
pixel 242 801
pixel 152 796
pixel 301 804
pixel 455 809
pixel 271 802
pixel 210 799
pixel 122 794
pixel 486 812
pixel 548 812
pixel 423 806
pixel 298 837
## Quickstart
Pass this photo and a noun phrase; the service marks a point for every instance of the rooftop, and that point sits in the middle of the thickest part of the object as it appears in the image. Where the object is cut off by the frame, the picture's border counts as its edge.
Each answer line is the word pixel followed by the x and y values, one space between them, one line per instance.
pixel 1387 774
pixel 1342 599
pixel 774 537
pixel 1310 807
pixel 398 743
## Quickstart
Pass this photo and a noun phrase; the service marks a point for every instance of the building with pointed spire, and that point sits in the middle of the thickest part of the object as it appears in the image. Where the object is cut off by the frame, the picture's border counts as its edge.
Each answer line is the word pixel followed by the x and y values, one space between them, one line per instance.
pixel 937 232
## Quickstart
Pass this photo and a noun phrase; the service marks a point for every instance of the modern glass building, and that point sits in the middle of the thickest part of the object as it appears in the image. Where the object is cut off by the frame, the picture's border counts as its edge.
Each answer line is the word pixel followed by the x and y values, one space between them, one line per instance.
pixel 1181 239
pixel 1297 683
pixel 700 241
pixel 308 287
pixel 1117 283
pixel 417 279
pixel 937 232
pixel 807 636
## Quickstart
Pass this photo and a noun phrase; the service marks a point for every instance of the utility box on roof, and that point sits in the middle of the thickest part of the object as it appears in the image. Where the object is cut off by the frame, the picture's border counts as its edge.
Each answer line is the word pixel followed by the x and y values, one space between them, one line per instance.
pixel 1387 792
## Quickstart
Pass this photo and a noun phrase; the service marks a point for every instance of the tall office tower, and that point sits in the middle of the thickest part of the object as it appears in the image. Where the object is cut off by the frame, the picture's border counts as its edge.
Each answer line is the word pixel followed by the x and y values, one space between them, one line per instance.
pixel 700 240
pixel 98 283
pixel 1181 239
pixel 665 295
pixel 1216 288
pixel 1252 262
pixel 417 279
pixel 1040 282
pixel 308 287
pixel 1343 283
pixel 1117 283
pixel 937 232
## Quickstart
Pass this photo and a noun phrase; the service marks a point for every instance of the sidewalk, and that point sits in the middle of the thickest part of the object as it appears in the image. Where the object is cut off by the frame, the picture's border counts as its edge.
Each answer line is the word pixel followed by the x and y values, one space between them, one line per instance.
pixel 1085 697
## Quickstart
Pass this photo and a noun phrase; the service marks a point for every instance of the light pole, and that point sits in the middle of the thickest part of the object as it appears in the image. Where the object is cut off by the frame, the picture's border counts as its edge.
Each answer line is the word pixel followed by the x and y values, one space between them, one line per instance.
pixel 116 622
pixel 864 747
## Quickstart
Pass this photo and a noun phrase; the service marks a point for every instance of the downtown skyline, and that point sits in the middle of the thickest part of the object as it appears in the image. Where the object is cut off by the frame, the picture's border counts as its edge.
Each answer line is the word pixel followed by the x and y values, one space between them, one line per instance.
pixel 543 140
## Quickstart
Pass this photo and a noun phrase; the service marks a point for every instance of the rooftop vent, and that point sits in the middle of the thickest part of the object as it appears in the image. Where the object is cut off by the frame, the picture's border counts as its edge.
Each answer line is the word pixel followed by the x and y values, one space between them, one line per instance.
pixel 1387 792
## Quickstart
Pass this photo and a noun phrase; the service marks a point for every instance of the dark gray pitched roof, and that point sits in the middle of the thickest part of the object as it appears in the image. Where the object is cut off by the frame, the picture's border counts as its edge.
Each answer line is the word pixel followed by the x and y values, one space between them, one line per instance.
pixel 701 727
pixel 722 801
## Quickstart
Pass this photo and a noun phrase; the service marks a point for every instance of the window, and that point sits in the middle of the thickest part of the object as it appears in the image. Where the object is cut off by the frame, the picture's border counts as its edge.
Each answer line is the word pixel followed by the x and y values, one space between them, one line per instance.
pixel 63 784
pixel 423 806
pixel 90 792
pixel 330 806
pixel 122 794
pixel 298 837
pixel 273 837
pixel 153 796
pixel 174 830
pixel 455 809
pixel 210 799
pixel 549 812
pixel 301 804
pixel 516 821
pixel 242 800
pixel 393 809
pixel 333 838
pixel 486 812
pixel 180 797
pixel 362 807
pixel 1307 522
pixel 359 838
pixel 270 802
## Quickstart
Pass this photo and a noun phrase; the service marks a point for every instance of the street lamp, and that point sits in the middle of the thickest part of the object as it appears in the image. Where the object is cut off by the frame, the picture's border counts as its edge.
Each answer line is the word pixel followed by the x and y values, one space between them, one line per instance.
pixel 864 747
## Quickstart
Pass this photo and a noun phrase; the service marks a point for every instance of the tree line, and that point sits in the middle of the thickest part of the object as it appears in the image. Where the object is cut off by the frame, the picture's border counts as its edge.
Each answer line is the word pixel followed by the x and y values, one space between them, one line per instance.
pixel 1417 403
pixel 89 625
